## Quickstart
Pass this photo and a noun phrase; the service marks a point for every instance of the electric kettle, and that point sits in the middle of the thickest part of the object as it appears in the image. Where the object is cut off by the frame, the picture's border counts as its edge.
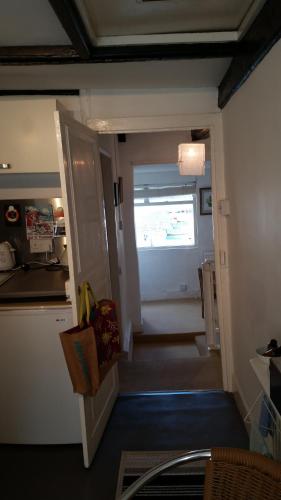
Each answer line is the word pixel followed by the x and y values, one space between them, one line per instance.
pixel 7 256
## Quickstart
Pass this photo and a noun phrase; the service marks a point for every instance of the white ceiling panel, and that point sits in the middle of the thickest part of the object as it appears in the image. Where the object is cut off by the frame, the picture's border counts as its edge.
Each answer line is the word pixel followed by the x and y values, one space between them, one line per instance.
pixel 30 22
pixel 139 75
pixel 133 17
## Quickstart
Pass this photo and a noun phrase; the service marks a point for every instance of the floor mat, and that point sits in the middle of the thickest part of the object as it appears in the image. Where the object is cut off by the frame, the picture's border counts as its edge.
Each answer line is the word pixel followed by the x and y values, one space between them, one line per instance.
pixel 184 481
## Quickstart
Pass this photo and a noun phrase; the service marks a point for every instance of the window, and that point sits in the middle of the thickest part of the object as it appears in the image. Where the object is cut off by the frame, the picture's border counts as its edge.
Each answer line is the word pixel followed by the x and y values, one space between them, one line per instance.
pixel 164 218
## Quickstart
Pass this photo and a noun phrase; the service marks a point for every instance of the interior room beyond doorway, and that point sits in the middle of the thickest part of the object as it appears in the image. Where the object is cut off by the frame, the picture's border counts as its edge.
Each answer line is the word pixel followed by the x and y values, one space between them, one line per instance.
pixel 171 240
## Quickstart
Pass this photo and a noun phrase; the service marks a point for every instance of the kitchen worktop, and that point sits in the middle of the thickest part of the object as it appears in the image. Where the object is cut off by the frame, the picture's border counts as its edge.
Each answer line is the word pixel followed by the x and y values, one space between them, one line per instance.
pixel 38 304
pixel 34 284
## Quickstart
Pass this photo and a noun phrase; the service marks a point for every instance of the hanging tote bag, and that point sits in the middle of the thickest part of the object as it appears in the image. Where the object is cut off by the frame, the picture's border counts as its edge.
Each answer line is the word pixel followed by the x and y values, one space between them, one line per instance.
pixel 104 320
pixel 80 350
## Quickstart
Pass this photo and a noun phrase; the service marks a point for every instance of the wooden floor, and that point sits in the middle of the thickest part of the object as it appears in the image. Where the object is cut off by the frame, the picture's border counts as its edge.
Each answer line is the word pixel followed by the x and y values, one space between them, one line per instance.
pixel 147 351
pixel 178 374
pixel 175 359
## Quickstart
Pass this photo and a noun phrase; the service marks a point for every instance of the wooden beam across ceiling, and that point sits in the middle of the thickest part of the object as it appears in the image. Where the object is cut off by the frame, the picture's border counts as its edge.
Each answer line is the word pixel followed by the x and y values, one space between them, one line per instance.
pixel 131 53
pixel 26 55
pixel 259 39
pixel 71 20
pixel 68 55
pixel 33 92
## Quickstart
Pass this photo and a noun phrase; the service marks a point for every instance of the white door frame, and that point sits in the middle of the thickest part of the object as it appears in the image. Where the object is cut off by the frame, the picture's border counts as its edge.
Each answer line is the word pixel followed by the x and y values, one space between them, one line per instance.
pixel 213 121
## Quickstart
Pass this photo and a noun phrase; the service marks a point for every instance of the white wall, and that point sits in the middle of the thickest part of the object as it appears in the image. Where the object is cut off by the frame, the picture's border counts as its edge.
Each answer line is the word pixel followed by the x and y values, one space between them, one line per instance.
pixel 141 149
pixel 102 105
pixel 252 132
pixel 162 271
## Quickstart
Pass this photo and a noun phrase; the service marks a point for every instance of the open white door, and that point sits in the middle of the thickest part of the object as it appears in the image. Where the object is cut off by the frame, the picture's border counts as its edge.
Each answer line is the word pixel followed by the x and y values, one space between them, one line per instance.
pixel 87 251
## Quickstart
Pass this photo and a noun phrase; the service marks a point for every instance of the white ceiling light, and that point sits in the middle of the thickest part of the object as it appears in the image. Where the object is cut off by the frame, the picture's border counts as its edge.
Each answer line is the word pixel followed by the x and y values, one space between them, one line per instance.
pixel 191 159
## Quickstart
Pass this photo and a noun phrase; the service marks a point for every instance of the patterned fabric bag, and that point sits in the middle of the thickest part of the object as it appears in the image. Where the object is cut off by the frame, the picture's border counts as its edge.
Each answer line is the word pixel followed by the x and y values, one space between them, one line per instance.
pixel 104 321
pixel 103 318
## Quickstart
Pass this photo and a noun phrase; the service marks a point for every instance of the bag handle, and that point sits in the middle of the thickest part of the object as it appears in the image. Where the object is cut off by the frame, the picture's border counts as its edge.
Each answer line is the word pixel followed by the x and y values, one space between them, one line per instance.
pixel 85 292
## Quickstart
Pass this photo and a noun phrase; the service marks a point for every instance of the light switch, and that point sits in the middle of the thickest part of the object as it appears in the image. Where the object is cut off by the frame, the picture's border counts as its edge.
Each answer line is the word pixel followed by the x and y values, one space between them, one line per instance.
pixel 224 207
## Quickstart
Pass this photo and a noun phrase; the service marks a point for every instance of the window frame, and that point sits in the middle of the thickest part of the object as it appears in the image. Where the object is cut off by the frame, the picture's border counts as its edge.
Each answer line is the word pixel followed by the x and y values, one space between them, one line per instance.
pixel 193 202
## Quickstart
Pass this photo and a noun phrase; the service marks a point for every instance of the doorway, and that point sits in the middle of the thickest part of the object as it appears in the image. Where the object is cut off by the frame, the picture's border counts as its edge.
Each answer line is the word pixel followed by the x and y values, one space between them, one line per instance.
pixel 173 239
pixel 168 239
pixel 183 122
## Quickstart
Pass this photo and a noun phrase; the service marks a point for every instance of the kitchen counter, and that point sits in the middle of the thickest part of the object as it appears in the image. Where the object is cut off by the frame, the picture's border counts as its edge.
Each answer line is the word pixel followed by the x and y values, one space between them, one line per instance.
pixel 34 284
pixel 30 304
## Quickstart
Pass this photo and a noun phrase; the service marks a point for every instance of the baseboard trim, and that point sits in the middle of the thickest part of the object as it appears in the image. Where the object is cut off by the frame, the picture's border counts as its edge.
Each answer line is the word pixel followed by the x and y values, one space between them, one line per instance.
pixel 143 338
pixel 240 401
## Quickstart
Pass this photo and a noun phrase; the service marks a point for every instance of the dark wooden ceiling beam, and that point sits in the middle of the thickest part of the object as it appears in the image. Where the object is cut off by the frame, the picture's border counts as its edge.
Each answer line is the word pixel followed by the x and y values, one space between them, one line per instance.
pixel 25 55
pixel 131 53
pixel 260 38
pixel 68 55
pixel 71 20
pixel 32 92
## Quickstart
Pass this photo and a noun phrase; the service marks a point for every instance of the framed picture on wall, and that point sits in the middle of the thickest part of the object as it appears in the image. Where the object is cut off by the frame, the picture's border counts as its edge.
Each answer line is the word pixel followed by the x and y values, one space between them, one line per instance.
pixel 205 201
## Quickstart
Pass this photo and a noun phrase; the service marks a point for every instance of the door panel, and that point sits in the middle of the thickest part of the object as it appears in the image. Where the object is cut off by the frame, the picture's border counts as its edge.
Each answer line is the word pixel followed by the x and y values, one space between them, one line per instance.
pixel 87 249
pixel 85 206
pixel 97 410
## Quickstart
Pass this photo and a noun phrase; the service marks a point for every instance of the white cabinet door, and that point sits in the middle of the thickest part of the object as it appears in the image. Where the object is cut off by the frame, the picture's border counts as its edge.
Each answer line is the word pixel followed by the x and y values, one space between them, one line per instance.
pixel 28 136
pixel 36 397
pixel 87 250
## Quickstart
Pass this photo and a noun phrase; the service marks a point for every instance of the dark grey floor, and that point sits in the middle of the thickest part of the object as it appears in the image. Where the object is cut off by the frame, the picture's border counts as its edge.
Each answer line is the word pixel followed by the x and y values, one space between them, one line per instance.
pixel 158 422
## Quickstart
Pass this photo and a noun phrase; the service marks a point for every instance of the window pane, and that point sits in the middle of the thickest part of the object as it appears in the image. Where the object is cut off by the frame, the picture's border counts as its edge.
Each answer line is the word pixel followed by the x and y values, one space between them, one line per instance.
pixel 165 225
pixel 171 199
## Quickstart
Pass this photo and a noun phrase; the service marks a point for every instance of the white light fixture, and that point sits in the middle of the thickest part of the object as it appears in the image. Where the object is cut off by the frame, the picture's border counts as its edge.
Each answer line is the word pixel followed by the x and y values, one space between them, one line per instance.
pixel 191 159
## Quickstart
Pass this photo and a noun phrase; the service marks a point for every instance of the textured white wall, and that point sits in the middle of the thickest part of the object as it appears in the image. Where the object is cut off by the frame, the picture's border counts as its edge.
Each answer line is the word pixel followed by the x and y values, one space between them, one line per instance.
pixel 139 103
pixel 252 128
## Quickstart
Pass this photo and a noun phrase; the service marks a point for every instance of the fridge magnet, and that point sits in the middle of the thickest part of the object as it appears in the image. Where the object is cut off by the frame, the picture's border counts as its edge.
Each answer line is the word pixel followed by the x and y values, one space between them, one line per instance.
pixel 39 222
pixel 12 215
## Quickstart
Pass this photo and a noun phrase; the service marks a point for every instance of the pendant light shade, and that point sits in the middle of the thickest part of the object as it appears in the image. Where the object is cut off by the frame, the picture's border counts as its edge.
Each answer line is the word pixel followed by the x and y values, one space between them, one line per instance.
pixel 191 159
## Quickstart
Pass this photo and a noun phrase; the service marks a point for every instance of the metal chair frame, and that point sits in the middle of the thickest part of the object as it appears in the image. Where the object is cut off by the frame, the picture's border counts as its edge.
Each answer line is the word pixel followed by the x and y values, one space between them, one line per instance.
pixel 191 456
